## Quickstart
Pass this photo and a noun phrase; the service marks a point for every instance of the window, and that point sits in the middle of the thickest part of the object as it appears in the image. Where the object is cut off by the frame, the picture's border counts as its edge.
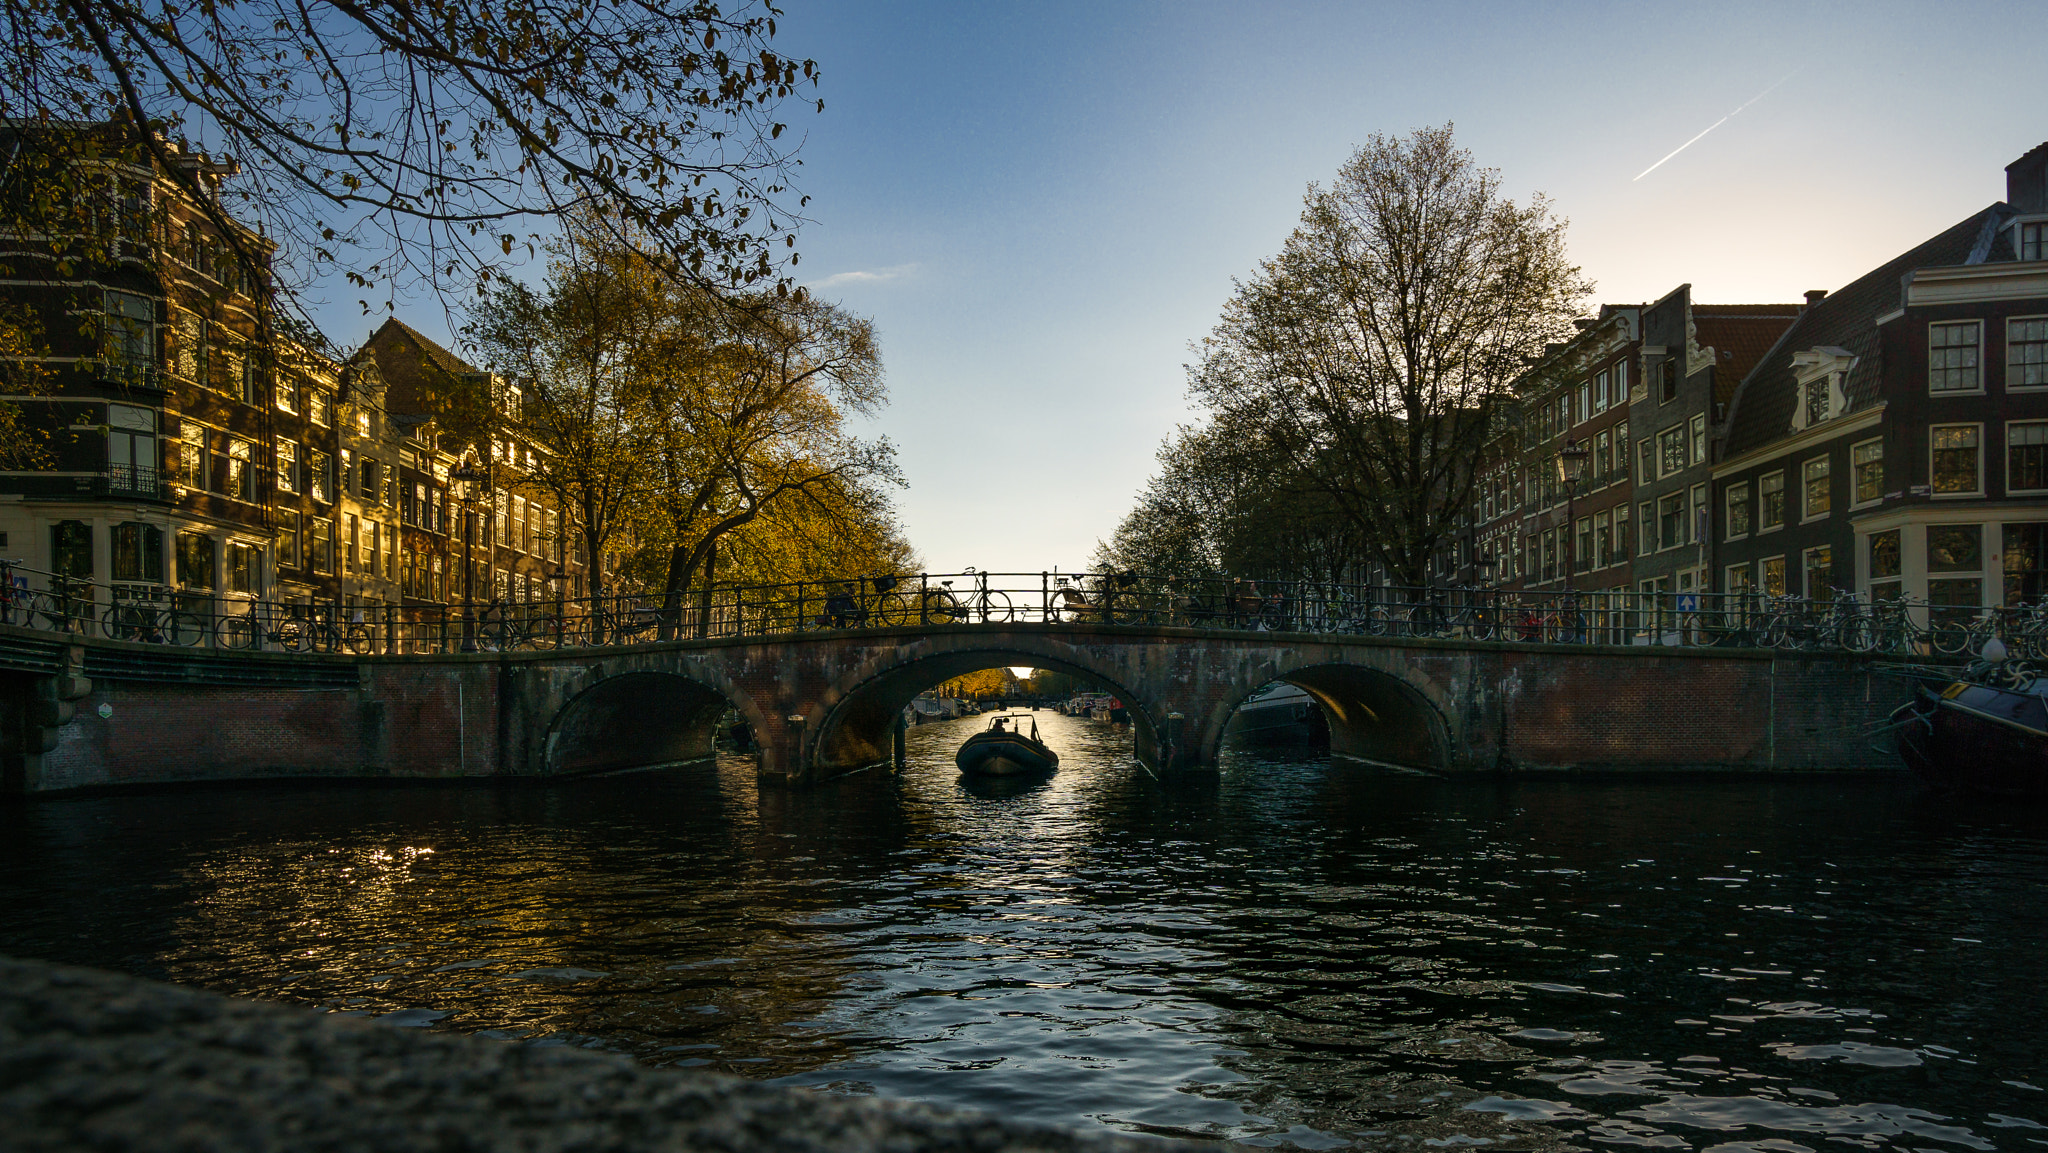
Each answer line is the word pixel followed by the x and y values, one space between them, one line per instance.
pixel 1774 576
pixel 1671 450
pixel 1549 554
pixel 319 406
pixel 1816 401
pixel 138 552
pixel 1602 456
pixel 71 549
pixel 1620 385
pixel 517 540
pixel 1621 450
pixel 241 469
pixel 1646 463
pixel 1820 573
pixel 373 485
pixel 1737 514
pixel 290 526
pixel 287 466
pixel 1884 566
pixel 1771 496
pixel 1739 580
pixel 1957 549
pixel 1584 556
pixel 437 588
pixel 1952 357
pixel 370 547
pixel 1648 532
pixel 320 476
pixel 1600 391
pixel 195 560
pixel 2026 560
pixel 498 521
pixel 1813 487
pixel 128 340
pixel 191 360
pixel 192 455
pixel 245 568
pixel 1671 520
pixel 1603 541
pixel 1699 514
pixel 287 395
pixel 1585 408
pixel 1953 464
pixel 346 478
pixel 2026 456
pixel 363 423
pixel 1698 432
pixel 1866 471
pixel 131 449
pixel 1667 381
pixel 2026 352
pixel 320 545
pixel 1620 554
pixel 2034 241
pixel 350 542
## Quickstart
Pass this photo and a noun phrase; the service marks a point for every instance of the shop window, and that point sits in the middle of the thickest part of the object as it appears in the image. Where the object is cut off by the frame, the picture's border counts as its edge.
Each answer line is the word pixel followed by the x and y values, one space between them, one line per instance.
pixel 244 568
pixel 71 549
pixel 1952 357
pixel 138 552
pixel 1739 580
pixel 2025 561
pixel 1773 576
pixel 1820 573
pixel 195 561
pixel 1816 496
pixel 1955 599
pixel 1955 548
pixel 1884 555
pixel 1954 459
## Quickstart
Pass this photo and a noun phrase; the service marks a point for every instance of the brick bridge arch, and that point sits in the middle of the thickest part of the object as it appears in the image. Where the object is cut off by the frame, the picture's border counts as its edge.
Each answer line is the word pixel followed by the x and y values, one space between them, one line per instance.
pixel 1389 713
pixel 862 705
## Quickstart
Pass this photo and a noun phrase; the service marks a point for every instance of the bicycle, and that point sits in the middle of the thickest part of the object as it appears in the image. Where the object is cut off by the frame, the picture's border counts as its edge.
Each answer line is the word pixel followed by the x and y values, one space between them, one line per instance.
pixel 147 623
pixel 503 633
pixel 240 631
pixel 942 606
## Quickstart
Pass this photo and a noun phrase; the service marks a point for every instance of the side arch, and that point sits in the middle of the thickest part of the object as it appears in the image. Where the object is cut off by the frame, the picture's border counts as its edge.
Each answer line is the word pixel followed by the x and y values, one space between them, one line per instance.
pixel 634 720
pixel 1375 715
pixel 862 707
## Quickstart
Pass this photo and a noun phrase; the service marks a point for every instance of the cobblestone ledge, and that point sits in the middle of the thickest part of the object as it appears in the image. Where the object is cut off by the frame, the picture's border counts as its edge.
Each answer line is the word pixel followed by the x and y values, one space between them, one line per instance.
pixel 100 1061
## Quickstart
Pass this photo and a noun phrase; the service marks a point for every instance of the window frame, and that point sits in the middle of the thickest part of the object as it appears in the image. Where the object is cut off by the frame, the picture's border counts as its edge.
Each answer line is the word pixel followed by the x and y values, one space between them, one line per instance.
pixel 2009 426
pixel 1728 506
pixel 1975 493
pixel 1827 477
pixel 1978 388
pixel 1855 475
pixel 2010 366
pixel 1763 526
pixel 1676 436
pixel 1763 575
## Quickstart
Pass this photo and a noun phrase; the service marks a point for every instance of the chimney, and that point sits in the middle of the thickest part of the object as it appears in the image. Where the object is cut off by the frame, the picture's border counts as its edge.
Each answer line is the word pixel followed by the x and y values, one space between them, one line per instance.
pixel 2026 181
pixel 1814 296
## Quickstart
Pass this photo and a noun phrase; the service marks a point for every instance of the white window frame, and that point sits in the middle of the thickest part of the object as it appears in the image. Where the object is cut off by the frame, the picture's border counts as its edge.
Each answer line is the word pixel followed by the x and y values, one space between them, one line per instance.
pixel 1806 514
pixel 1697 510
pixel 1646 540
pixel 1931 370
pixel 1728 503
pixel 1696 432
pixel 1879 498
pixel 1976 493
pixel 2009 426
pixel 2010 321
pixel 1784 578
pixel 1761 527
pixel 1683 454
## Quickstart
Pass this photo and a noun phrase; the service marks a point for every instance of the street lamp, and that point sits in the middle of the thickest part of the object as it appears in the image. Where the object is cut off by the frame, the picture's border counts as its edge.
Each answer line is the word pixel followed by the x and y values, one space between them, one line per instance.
pixel 467 476
pixel 1571 465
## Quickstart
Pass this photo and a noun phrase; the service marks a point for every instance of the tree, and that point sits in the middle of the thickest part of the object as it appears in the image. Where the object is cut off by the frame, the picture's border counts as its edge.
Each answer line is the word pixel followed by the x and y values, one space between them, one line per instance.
pixel 23 445
pixel 1368 360
pixel 407 142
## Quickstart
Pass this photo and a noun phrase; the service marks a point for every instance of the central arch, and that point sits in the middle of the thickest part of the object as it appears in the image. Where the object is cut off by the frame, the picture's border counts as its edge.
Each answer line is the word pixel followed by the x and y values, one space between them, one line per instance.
pixel 635 720
pixel 1375 716
pixel 857 729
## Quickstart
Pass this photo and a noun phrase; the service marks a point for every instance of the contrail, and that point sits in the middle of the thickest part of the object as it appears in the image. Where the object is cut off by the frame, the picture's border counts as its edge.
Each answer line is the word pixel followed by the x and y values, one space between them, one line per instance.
pixel 1714 125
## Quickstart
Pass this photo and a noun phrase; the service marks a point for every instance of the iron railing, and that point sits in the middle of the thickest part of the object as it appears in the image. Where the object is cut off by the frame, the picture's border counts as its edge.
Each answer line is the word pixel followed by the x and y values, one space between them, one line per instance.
pixel 155 613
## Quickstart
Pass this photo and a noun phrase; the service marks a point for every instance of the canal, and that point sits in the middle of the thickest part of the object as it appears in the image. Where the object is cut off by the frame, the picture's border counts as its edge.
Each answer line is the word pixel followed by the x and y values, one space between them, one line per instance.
pixel 1293 953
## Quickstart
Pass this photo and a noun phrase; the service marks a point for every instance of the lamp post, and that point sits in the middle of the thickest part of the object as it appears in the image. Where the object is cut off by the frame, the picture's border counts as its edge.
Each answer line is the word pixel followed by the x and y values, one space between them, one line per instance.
pixel 466 477
pixel 1571 465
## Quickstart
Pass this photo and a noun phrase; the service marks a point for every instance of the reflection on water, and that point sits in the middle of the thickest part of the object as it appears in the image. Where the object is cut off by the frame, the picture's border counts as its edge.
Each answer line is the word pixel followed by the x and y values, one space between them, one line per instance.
pixel 1292 953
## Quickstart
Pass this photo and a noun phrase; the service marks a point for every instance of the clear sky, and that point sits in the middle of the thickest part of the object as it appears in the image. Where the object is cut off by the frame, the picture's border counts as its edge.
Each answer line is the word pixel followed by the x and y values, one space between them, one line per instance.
pixel 1041 205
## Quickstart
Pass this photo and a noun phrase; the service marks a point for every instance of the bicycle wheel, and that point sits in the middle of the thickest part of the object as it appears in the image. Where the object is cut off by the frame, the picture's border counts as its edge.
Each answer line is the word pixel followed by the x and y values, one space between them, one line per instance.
pixel 125 623
pixel 893 609
pixel 941 609
pixel 1949 638
pixel 358 639
pixel 995 606
pixel 1858 635
pixel 235 633
pixel 291 635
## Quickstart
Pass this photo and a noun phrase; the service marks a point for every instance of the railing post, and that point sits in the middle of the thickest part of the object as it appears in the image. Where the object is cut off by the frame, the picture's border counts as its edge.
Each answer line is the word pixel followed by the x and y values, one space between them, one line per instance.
pixel 1044 597
pixel 924 612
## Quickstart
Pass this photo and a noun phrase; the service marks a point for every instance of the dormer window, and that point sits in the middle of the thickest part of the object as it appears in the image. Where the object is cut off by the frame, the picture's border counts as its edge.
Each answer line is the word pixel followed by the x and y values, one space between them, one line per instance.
pixel 1819 375
pixel 1816 401
pixel 2034 240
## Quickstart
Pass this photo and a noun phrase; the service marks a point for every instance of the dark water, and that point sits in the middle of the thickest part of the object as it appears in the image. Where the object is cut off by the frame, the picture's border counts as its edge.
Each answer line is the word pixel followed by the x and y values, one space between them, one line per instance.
pixel 1293 953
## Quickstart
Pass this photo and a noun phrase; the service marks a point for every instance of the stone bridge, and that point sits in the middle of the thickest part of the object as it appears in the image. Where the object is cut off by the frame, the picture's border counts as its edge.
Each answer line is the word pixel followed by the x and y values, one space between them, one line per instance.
pixel 97 713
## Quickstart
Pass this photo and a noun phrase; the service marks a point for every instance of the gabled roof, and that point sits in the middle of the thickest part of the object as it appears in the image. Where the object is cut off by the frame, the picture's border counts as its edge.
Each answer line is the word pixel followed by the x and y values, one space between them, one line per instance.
pixel 399 349
pixel 1740 335
pixel 1847 319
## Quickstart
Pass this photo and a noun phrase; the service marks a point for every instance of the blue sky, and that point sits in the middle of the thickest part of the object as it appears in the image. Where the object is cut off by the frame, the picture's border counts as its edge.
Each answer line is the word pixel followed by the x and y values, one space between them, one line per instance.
pixel 1042 205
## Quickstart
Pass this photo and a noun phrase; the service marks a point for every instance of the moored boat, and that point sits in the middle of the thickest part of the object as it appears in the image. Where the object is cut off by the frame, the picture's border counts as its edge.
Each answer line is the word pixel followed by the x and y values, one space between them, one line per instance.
pixel 1004 749
pixel 1986 733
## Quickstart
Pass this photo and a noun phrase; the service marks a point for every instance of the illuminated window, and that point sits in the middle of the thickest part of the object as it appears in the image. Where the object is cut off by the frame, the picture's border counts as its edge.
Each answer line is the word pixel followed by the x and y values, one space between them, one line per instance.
pixel 1866 471
pixel 1816 496
pixel 1954 459
pixel 1771 499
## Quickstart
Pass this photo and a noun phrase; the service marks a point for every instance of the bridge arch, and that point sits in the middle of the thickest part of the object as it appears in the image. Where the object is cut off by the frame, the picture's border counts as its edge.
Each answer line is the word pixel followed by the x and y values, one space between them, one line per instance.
pixel 1378 715
pixel 860 710
pixel 640 718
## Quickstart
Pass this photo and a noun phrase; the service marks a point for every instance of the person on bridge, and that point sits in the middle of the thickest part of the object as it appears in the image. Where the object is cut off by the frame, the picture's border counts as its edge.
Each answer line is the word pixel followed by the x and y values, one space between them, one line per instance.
pixel 842 608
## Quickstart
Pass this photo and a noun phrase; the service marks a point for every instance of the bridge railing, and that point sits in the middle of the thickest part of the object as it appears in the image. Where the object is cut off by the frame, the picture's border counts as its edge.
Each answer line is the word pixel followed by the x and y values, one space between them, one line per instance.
pixel 182 617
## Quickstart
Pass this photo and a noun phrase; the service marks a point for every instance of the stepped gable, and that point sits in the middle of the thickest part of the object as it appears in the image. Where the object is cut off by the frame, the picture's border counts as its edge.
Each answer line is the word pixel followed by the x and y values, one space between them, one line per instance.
pixel 1846 319
pixel 1740 335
